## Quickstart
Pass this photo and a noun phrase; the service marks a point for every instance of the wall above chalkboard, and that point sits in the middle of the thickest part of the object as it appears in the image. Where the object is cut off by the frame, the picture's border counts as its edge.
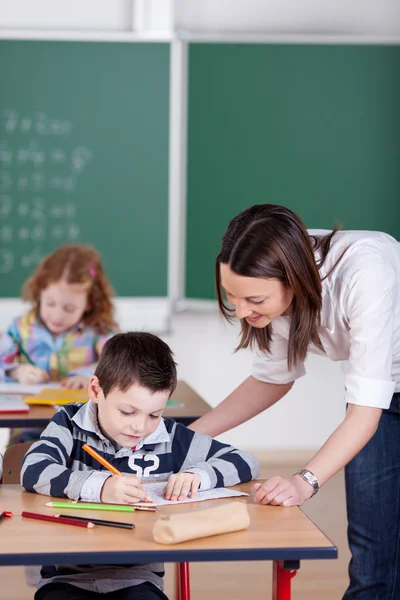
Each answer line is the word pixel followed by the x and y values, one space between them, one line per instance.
pixel 84 157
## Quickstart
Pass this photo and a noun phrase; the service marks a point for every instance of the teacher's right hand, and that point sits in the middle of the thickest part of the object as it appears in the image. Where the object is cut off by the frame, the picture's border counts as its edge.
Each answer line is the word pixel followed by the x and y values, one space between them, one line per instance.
pixel 282 491
pixel 29 374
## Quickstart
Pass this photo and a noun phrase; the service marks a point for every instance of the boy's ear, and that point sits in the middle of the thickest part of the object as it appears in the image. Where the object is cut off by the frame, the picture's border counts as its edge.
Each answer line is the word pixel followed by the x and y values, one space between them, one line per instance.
pixel 94 389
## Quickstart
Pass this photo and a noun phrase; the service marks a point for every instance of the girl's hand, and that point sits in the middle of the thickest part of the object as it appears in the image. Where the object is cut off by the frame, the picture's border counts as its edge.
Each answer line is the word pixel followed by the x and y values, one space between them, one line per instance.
pixel 76 382
pixel 29 374
pixel 280 491
pixel 180 485
pixel 123 489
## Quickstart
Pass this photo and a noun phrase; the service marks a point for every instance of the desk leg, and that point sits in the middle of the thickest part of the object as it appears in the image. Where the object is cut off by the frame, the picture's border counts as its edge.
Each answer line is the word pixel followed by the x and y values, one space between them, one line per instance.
pixel 183 581
pixel 283 573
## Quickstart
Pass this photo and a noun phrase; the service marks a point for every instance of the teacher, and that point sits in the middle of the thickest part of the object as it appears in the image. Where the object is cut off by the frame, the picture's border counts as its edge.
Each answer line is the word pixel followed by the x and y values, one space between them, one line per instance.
pixel 335 294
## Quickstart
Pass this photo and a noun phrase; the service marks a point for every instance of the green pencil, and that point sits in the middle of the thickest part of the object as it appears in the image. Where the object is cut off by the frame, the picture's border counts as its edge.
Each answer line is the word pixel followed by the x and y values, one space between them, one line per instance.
pixel 20 348
pixel 110 507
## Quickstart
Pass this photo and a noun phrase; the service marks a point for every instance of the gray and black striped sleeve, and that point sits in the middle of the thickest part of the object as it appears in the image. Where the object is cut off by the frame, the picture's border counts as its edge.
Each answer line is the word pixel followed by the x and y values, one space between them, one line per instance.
pixel 45 465
pixel 224 464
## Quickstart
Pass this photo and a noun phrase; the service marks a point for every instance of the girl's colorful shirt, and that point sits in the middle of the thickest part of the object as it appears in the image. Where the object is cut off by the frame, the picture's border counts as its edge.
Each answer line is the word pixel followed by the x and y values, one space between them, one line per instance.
pixel 74 352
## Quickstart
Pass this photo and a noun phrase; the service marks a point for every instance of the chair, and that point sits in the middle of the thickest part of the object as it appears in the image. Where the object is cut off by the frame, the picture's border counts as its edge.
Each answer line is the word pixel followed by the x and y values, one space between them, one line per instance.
pixel 12 462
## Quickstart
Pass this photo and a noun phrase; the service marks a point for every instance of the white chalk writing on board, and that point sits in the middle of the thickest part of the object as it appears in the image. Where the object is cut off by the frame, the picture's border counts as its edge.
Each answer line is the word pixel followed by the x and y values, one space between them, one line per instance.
pixel 40 169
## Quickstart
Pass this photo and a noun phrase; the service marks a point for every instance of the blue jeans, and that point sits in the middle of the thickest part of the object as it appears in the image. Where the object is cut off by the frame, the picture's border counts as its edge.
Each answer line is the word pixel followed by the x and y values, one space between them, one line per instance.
pixel 373 512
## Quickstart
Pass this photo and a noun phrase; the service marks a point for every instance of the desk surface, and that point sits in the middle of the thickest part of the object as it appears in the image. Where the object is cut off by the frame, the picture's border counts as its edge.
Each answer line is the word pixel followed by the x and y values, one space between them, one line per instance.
pixel 275 534
pixel 193 407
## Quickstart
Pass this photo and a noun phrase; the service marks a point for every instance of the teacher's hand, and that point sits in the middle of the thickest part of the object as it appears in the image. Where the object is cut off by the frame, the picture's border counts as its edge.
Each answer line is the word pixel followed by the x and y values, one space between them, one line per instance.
pixel 282 491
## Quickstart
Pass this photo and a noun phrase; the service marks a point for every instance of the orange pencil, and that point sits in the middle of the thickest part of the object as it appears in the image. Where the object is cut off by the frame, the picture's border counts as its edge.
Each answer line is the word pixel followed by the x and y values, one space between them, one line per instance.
pixel 101 460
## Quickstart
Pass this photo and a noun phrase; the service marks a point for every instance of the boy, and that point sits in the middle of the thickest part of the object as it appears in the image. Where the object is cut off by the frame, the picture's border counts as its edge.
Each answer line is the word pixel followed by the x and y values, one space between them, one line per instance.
pixel 135 376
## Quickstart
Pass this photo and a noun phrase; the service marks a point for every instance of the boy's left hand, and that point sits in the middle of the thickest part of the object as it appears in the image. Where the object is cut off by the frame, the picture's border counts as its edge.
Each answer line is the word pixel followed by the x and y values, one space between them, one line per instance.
pixel 76 382
pixel 180 485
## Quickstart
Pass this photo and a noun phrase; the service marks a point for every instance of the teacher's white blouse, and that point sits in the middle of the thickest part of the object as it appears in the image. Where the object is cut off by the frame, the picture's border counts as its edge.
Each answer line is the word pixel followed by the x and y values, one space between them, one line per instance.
pixel 360 320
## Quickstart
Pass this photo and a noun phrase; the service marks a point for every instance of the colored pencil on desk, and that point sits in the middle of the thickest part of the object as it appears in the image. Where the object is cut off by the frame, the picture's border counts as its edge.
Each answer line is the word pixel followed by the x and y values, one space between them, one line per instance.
pixel 40 517
pixel 21 349
pixel 99 522
pixel 100 506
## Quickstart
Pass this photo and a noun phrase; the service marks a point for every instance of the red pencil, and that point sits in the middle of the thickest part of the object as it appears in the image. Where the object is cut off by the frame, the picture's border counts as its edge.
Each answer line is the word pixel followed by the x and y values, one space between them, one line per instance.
pixel 40 517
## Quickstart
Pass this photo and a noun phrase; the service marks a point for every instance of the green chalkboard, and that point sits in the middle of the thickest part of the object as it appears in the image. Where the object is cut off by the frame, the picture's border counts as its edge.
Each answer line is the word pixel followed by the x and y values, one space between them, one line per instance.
pixel 84 157
pixel 313 127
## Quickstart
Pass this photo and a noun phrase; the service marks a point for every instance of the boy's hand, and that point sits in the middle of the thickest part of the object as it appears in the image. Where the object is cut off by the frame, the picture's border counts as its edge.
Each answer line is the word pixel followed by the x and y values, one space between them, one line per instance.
pixel 75 382
pixel 123 489
pixel 180 485
pixel 29 374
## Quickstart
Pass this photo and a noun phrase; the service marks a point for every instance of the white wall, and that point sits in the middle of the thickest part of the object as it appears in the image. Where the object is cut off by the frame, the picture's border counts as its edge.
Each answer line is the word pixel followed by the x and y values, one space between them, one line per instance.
pixel 74 14
pixel 87 15
pixel 203 345
pixel 343 17
pixel 362 17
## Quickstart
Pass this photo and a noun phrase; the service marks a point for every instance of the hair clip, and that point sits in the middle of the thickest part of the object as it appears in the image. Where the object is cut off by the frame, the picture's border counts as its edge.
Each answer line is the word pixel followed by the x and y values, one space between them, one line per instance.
pixel 92 270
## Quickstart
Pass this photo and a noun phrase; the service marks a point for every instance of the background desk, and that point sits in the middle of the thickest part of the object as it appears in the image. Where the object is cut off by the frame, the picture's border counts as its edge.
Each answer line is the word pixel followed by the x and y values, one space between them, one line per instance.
pixel 275 534
pixel 193 407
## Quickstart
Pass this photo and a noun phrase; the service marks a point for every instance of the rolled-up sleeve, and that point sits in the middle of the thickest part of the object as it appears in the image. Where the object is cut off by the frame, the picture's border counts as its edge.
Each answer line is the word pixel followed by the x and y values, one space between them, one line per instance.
pixel 370 313
pixel 272 367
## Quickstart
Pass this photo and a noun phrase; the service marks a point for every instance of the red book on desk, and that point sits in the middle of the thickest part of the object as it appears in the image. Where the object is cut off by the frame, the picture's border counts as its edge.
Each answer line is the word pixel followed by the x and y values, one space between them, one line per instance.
pixel 12 403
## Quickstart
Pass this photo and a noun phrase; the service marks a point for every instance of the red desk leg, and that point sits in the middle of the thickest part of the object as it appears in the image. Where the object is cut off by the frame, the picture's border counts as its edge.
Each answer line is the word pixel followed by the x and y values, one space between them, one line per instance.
pixel 282 576
pixel 184 581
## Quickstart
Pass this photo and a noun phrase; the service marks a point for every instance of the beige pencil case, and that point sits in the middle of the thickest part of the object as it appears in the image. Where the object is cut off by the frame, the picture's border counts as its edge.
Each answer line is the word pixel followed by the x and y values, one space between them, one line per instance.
pixel 181 527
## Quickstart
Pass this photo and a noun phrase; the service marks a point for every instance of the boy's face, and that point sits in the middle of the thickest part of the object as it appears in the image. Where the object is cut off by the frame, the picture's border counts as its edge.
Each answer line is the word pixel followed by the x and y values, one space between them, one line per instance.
pixel 127 417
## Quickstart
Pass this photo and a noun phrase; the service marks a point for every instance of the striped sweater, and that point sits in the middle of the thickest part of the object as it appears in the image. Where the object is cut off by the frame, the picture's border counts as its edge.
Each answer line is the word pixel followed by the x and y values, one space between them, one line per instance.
pixel 57 465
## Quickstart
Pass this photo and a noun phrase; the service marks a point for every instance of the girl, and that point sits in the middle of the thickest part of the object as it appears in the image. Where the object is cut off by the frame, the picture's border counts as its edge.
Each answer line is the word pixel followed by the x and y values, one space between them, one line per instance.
pixel 336 294
pixel 61 337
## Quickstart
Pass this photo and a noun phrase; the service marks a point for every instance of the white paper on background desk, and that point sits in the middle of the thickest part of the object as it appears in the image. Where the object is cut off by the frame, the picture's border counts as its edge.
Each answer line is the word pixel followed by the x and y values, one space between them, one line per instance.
pixel 25 388
pixel 155 491
pixel 12 403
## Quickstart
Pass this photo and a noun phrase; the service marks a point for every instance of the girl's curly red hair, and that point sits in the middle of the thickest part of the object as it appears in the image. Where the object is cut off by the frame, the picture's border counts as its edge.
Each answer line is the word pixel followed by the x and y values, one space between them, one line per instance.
pixel 76 264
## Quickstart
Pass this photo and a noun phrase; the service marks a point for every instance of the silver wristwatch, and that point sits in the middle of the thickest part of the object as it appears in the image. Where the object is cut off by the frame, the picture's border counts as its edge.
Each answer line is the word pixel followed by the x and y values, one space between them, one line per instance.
pixel 310 478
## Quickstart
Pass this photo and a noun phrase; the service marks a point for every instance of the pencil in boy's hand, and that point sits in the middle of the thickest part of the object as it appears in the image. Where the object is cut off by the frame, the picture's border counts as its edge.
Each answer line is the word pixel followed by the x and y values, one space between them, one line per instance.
pixel 117 524
pixel 101 460
pixel 40 517
pixel 107 465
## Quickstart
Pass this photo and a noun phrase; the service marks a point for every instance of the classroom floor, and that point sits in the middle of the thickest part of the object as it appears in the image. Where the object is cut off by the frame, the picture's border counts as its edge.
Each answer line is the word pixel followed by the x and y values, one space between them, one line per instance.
pixel 317 580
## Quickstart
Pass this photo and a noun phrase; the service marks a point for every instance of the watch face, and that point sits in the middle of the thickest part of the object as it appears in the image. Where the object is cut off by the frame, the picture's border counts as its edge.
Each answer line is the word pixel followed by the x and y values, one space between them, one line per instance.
pixel 310 478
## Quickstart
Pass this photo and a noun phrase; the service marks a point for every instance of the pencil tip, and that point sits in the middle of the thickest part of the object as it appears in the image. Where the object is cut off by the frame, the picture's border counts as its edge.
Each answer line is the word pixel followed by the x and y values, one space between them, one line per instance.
pixel 49 504
pixel 90 525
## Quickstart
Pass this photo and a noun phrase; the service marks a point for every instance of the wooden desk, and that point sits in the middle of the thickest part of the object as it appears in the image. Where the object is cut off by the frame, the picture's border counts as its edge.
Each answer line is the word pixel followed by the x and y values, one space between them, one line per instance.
pixel 282 535
pixel 193 407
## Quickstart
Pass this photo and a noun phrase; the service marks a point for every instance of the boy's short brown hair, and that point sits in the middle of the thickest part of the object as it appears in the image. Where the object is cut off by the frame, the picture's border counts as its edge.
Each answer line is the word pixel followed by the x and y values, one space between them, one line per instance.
pixel 136 357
